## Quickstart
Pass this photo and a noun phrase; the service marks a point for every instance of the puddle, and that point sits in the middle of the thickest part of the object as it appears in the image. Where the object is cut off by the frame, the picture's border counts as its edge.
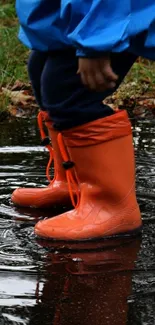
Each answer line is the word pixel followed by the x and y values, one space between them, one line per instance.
pixel 110 284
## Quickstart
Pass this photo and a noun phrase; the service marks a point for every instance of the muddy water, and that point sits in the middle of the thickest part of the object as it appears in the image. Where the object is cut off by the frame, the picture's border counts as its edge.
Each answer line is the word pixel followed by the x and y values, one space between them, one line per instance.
pixel 108 283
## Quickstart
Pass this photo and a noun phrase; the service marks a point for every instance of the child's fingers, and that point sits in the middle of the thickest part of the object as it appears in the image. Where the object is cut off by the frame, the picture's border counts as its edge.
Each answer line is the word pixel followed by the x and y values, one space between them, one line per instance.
pixel 107 71
pixel 99 77
pixel 83 79
pixel 88 80
pixel 97 74
pixel 97 82
pixel 91 82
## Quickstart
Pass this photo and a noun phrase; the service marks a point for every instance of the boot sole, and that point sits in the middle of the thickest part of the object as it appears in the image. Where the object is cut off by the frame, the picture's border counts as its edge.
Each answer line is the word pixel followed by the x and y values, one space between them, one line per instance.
pixel 99 242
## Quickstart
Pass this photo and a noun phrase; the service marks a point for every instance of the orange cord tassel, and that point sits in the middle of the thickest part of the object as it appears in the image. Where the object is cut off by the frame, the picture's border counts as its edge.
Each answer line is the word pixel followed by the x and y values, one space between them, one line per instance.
pixel 70 179
pixel 42 117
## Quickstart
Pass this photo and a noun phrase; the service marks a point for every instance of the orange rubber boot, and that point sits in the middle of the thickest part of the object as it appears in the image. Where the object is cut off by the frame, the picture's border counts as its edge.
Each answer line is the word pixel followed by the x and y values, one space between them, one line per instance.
pixel 57 191
pixel 103 154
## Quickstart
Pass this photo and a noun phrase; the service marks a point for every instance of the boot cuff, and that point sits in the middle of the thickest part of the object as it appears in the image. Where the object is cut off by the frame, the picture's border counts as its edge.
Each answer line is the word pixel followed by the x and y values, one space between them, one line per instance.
pixel 98 131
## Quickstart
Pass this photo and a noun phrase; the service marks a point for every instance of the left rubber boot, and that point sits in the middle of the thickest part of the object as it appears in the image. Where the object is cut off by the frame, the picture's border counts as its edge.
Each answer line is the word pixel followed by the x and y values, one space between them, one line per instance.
pixel 56 193
pixel 103 154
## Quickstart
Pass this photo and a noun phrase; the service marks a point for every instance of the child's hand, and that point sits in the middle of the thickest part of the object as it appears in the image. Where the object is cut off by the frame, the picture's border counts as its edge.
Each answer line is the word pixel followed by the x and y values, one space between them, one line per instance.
pixel 97 74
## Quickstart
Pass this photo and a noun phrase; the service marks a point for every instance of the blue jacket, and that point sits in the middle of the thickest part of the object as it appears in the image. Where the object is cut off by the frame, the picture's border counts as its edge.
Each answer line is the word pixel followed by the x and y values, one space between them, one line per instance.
pixel 41 26
pixel 91 26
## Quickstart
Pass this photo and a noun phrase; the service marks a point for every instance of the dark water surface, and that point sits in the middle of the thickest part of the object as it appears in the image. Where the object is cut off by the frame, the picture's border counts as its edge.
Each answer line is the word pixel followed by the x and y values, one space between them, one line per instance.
pixel 108 283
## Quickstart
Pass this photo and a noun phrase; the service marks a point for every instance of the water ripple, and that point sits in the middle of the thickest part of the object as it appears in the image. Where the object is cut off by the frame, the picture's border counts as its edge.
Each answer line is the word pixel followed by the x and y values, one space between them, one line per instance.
pixel 20 149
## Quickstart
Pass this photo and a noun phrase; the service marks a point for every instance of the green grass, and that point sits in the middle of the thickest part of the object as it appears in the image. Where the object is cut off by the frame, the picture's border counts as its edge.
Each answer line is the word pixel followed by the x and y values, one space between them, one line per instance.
pixel 140 80
pixel 7 14
pixel 13 55
pixel 143 71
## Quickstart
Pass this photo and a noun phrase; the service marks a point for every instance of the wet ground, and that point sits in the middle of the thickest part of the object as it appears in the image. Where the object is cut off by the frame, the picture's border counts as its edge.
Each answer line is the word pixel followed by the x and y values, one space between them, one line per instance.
pixel 103 283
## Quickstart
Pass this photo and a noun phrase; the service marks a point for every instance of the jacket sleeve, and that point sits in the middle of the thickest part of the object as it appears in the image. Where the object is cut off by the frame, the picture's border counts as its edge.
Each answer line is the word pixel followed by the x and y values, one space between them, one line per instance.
pixel 95 26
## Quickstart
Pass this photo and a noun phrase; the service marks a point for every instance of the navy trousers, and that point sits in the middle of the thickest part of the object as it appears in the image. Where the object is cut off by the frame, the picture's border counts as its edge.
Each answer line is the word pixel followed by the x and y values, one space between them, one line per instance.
pixel 58 88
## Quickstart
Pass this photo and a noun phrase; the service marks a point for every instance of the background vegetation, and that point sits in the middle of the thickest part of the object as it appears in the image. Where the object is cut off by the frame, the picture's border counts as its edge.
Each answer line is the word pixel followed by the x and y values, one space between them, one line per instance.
pixel 13 61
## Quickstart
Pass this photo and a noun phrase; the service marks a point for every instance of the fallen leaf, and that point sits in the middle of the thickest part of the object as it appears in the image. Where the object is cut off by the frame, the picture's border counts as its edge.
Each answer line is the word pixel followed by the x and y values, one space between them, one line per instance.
pixel 19 85
pixel 17 97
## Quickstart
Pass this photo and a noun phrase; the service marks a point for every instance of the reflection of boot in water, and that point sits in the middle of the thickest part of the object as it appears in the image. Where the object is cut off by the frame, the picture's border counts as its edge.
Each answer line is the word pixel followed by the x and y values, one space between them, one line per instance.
pixel 89 287
pixel 57 192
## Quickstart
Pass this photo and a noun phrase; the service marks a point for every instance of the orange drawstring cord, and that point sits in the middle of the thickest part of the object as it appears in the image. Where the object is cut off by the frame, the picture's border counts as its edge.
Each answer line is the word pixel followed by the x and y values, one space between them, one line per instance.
pixel 70 179
pixel 44 117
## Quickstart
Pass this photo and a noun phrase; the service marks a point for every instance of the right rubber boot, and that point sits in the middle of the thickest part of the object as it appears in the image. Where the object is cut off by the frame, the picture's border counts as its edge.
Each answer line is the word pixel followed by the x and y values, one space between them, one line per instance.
pixel 101 155
pixel 57 191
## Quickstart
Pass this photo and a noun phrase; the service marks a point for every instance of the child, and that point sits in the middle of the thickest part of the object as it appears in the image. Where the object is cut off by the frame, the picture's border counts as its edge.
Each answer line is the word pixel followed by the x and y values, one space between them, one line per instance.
pixel 82 50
